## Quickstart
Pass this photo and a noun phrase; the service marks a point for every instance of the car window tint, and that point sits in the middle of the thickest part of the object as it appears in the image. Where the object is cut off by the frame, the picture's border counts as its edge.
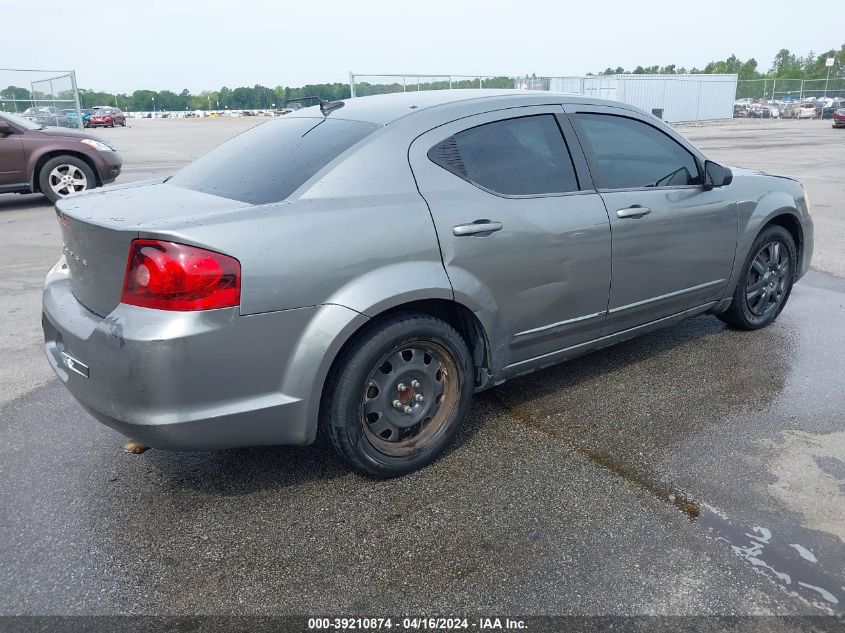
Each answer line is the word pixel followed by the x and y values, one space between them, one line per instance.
pixel 629 153
pixel 270 161
pixel 521 156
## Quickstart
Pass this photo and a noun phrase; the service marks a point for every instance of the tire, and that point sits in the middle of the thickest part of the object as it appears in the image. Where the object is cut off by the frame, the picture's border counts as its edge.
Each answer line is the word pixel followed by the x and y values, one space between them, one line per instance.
pixel 765 282
pixel 77 169
pixel 366 414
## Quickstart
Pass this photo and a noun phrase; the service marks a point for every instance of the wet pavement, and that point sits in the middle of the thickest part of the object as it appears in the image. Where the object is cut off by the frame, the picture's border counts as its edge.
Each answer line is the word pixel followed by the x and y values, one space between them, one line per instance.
pixel 696 470
pixel 653 477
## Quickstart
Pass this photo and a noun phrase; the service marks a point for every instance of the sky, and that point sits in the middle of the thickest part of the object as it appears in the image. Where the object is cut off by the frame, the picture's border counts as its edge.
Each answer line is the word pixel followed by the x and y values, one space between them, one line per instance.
pixel 202 45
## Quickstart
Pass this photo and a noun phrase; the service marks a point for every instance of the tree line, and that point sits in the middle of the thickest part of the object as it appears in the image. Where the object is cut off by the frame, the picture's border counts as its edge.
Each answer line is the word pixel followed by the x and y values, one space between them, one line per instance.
pixel 786 65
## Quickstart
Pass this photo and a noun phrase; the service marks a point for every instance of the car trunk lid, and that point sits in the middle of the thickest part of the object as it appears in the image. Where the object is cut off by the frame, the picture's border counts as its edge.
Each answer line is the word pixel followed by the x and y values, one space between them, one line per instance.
pixel 98 228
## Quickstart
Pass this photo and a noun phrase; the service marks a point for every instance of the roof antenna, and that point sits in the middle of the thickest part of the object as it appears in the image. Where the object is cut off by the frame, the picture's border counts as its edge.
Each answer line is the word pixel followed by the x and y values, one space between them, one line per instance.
pixel 326 107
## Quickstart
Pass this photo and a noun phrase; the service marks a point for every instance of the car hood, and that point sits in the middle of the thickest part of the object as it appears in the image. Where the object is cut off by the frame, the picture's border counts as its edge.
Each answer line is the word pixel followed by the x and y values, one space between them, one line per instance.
pixel 70 133
pixel 742 171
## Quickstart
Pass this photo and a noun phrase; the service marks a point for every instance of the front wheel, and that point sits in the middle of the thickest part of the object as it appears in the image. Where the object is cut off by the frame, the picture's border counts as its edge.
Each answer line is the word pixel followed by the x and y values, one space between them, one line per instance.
pixel 765 282
pixel 64 175
pixel 398 395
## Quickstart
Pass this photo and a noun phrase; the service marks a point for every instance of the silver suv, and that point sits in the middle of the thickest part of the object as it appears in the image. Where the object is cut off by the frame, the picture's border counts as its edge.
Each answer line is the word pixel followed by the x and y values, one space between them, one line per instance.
pixel 370 265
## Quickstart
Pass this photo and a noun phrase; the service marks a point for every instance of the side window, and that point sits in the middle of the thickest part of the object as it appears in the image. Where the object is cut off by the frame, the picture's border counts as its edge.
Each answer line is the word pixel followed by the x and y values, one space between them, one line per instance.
pixel 629 153
pixel 513 157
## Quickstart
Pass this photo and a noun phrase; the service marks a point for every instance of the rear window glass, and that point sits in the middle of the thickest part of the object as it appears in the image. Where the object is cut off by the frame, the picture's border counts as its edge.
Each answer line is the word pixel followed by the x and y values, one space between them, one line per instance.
pixel 272 160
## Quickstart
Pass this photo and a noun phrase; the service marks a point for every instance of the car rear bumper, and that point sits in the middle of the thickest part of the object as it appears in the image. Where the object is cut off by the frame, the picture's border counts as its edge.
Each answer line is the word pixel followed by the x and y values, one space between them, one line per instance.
pixel 190 380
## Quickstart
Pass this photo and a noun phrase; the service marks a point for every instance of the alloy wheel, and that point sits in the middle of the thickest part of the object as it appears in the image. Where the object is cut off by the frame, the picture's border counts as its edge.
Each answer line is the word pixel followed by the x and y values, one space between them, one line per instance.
pixel 67 179
pixel 768 278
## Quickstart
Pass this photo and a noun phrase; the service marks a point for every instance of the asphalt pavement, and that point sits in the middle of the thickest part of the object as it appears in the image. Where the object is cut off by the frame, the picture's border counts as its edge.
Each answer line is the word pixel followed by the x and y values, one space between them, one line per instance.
pixel 696 470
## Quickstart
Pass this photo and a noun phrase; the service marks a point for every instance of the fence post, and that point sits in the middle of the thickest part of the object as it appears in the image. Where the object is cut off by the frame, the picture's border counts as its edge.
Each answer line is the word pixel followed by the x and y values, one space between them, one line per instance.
pixel 76 99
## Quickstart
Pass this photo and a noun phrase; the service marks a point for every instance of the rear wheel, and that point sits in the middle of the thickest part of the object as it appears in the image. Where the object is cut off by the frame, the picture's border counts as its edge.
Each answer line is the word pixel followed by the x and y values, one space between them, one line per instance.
pixel 766 281
pixel 64 175
pixel 398 395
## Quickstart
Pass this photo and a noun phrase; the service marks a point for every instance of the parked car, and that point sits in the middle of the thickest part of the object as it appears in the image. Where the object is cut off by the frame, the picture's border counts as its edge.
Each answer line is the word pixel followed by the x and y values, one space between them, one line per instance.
pixel 740 111
pixel 371 271
pixel 829 108
pixel 799 111
pixel 48 116
pixel 106 116
pixel 839 118
pixel 54 161
pixel 70 116
pixel 759 111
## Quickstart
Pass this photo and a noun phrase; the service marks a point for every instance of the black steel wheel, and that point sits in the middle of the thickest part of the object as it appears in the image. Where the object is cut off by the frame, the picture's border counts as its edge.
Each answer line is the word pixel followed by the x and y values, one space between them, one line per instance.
pixel 766 280
pixel 398 394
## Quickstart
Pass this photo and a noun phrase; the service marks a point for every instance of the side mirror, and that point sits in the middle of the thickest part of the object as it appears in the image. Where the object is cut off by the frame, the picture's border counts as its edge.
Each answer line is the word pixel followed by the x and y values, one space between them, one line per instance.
pixel 5 128
pixel 715 175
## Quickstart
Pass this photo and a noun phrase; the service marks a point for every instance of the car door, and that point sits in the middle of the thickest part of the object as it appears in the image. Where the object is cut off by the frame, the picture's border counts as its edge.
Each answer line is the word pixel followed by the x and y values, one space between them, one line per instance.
pixel 12 159
pixel 521 238
pixel 674 242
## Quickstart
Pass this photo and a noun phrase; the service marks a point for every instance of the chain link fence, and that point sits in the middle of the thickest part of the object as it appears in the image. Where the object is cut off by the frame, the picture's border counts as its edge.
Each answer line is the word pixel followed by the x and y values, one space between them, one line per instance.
pixel 779 89
pixel 367 85
pixel 676 98
pixel 49 97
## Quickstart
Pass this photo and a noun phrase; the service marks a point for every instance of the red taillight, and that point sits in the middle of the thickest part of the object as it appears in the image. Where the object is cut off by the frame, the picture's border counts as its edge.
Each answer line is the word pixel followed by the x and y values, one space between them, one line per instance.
pixel 170 276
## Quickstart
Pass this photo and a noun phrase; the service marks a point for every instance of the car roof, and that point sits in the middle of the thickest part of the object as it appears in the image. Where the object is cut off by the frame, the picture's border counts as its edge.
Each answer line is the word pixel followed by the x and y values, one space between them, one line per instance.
pixel 385 109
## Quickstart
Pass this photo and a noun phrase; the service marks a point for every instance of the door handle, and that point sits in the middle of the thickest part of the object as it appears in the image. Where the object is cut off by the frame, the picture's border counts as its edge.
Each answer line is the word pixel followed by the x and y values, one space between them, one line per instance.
pixel 479 227
pixel 635 212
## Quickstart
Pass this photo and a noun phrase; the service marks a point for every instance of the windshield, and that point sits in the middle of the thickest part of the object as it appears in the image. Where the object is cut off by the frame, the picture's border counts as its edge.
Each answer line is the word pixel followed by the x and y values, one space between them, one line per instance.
pixel 270 161
pixel 20 121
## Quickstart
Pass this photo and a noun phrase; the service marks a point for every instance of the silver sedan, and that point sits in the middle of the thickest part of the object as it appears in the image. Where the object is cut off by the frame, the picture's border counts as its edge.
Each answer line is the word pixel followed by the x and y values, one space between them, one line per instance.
pixel 362 268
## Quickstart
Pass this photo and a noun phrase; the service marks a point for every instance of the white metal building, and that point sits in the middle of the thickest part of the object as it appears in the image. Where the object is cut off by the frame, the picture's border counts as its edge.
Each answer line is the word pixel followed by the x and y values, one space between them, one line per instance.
pixel 680 97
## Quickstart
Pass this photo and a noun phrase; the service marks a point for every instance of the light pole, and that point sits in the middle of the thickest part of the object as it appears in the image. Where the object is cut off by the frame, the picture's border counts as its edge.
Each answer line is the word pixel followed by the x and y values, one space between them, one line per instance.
pixel 209 101
pixel 154 107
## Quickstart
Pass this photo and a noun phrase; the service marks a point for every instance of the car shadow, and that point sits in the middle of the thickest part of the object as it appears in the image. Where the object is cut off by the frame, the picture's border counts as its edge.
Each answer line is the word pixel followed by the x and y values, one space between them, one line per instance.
pixel 245 471
pixel 17 202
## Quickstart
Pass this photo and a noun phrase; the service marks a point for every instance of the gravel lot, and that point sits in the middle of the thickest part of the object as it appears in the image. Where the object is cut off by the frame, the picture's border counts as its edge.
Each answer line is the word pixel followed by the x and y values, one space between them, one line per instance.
pixel 696 470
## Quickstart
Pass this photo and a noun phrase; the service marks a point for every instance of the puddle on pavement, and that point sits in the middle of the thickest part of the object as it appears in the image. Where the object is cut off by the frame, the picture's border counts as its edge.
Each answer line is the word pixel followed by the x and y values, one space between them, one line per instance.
pixel 790 565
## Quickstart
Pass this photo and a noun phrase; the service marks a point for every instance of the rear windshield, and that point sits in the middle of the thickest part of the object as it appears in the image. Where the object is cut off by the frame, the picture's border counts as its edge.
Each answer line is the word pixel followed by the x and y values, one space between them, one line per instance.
pixel 272 160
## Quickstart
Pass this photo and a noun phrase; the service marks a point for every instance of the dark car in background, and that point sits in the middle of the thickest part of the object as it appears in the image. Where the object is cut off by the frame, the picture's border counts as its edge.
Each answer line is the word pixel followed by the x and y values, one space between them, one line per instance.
pixel 828 110
pixel 107 116
pixel 54 161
